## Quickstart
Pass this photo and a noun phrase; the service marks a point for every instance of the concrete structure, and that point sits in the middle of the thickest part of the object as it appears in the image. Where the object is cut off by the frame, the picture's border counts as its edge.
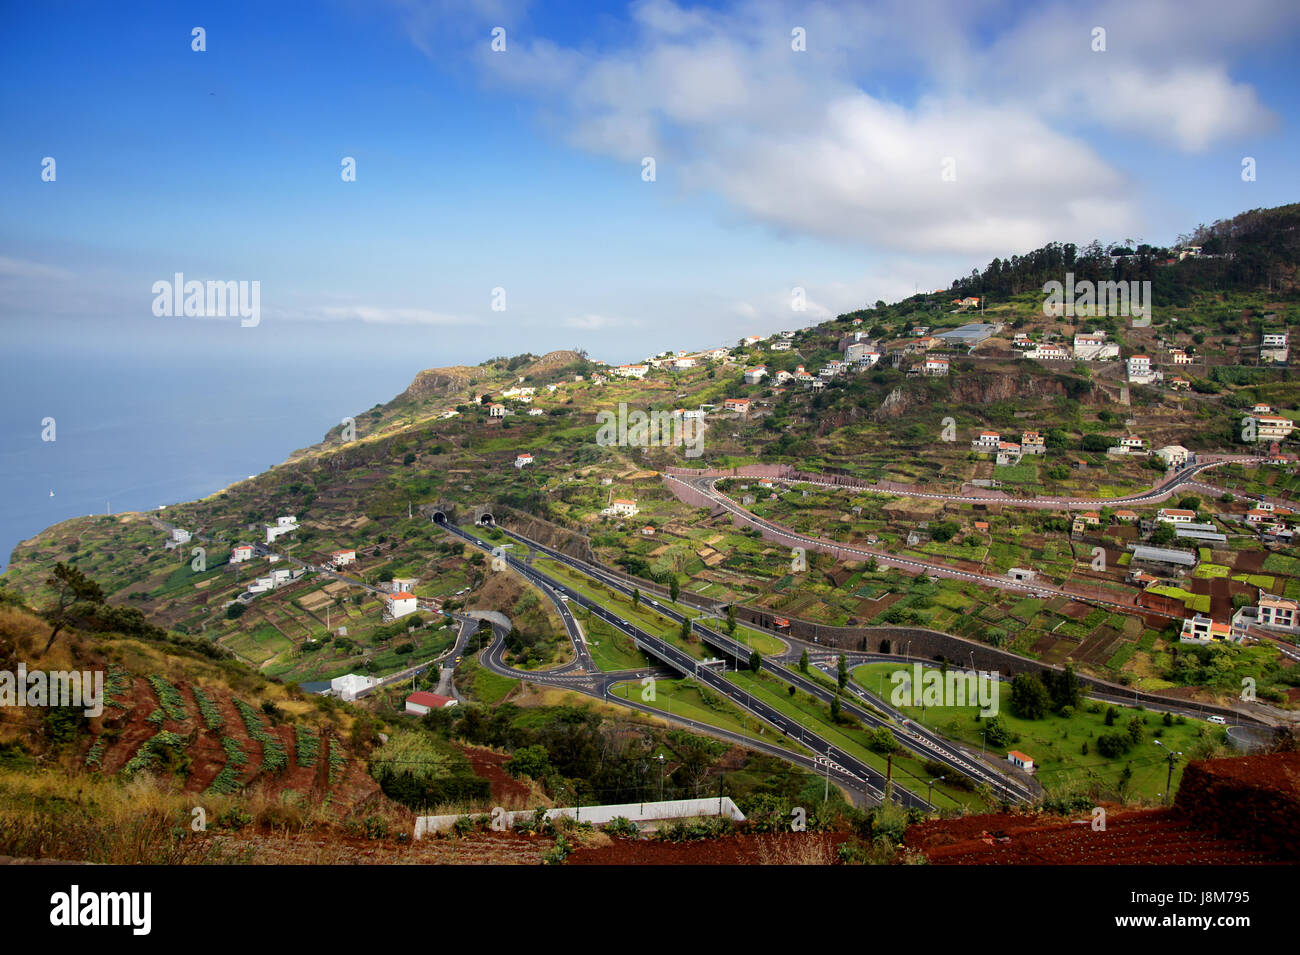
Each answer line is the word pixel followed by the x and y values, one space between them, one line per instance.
pixel 621 507
pixel 736 404
pixel 240 553
pixel 1174 515
pixel 1031 442
pixel 1274 347
pixel 599 815
pixel 350 685
pixel 341 558
pixel 755 375
pixel 523 459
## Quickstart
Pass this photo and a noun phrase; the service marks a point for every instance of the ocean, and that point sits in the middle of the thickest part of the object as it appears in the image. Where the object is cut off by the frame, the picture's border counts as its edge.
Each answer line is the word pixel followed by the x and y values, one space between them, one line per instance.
pixel 134 431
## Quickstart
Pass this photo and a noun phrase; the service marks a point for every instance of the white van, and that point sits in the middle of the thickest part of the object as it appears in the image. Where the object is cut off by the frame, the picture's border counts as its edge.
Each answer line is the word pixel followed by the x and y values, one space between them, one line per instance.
pixel 1216 719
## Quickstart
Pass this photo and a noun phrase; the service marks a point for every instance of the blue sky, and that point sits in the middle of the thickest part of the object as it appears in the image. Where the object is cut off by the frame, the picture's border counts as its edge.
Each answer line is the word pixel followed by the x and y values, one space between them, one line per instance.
pixel 522 169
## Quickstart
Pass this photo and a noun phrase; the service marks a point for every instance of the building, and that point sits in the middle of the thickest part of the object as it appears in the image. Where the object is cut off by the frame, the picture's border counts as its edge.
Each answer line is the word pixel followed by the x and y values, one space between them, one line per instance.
pixel 969 335
pixel 399 604
pixel 1174 455
pixel 1201 629
pixel 755 375
pixel 1180 384
pixel 682 364
pixel 1132 444
pixel 631 371
pixel 1022 574
pixel 341 558
pixel 1048 353
pixel 1262 409
pixel 1174 515
pixel 1095 347
pixel 180 535
pixel 1031 442
pixel 282 526
pixel 621 507
pixel 1020 760
pixel 1278 613
pixel 421 702
pixel 1270 427
pixel 240 553
pixel 1274 347
pixel 1162 555
pixel 1127 517
pixel 1201 533
pixel 987 441
pixel 1139 369
pixel 737 404
pixel 523 460
pixel 351 685
pixel 936 366
pixel 1180 357
pixel 647 531
pixel 496 411
pixel 1008 453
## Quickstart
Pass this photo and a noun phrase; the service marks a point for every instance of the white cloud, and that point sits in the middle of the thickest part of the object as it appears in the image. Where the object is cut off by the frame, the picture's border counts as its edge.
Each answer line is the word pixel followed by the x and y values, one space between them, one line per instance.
pixel 822 144
pixel 370 315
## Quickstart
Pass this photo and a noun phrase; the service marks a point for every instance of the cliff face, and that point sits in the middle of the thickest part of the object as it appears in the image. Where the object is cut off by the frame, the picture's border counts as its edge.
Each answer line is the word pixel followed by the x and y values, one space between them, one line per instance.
pixel 981 389
pixel 439 382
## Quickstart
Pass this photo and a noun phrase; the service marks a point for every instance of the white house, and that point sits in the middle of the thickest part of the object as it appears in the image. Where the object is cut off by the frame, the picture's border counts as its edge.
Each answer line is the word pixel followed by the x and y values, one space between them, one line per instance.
pixel 1094 347
pixel 1139 369
pixel 240 553
pixel 987 440
pixel 736 404
pixel 496 411
pixel 1032 442
pixel 348 686
pixel 523 459
pixel 631 371
pixel 681 364
pixel 1020 760
pixel 620 507
pixel 1049 353
pixel 1274 347
pixel 1174 455
pixel 341 558
pixel 534 412
pixel 1174 515
pixel 1270 427
pixel 1132 444
pixel 1008 453
pixel 936 366
pixel 400 604
pixel 1278 613
pixel 180 535
pixel 755 375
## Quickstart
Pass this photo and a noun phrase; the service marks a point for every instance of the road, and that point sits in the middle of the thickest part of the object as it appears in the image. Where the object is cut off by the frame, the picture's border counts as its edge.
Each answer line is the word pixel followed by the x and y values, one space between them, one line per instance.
pixel 846 769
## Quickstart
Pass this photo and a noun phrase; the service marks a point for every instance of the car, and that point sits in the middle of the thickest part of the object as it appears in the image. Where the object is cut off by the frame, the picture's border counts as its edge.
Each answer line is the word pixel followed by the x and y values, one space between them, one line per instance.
pixel 1216 719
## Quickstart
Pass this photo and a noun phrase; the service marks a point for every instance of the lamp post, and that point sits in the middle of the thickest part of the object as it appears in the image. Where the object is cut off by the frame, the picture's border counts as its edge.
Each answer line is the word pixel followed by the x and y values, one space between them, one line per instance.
pixel 1169 778
pixel 661 777
pixel 929 796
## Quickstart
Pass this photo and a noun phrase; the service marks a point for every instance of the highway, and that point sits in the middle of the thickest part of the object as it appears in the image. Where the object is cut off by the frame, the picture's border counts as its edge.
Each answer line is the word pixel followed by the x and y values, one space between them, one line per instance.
pixel 843 767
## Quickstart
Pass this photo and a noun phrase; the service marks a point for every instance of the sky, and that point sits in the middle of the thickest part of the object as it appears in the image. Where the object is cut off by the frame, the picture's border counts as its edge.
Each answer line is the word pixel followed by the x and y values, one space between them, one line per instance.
pixel 857 151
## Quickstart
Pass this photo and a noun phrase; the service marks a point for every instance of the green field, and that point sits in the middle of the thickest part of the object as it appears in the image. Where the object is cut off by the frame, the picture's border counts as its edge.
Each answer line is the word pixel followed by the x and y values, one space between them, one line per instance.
pixel 1056 742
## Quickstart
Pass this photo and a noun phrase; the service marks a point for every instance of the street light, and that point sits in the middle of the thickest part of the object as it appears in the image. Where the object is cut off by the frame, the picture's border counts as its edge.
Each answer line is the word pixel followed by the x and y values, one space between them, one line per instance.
pixel 929 797
pixel 1169 778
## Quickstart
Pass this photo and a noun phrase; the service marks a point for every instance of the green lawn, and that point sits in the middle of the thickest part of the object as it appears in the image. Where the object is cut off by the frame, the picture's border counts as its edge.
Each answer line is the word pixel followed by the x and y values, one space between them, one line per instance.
pixel 683 698
pixel 1056 742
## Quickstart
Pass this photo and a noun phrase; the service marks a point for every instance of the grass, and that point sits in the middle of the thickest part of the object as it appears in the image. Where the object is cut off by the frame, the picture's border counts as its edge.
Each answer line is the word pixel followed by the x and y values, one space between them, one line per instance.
pixel 485 686
pixel 1056 742
pixel 683 698
pixel 611 649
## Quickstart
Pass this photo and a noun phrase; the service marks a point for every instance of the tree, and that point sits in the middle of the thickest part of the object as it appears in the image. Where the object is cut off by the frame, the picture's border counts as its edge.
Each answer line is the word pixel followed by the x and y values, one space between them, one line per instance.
pixel 76 597
pixel 835 709
pixel 674 588
pixel 1064 687
pixel 1029 698
pixel 755 660
pixel 531 761
pixel 636 597
pixel 1163 534
pixel 842 673
pixel 686 628
pixel 803 662
pixel 731 618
